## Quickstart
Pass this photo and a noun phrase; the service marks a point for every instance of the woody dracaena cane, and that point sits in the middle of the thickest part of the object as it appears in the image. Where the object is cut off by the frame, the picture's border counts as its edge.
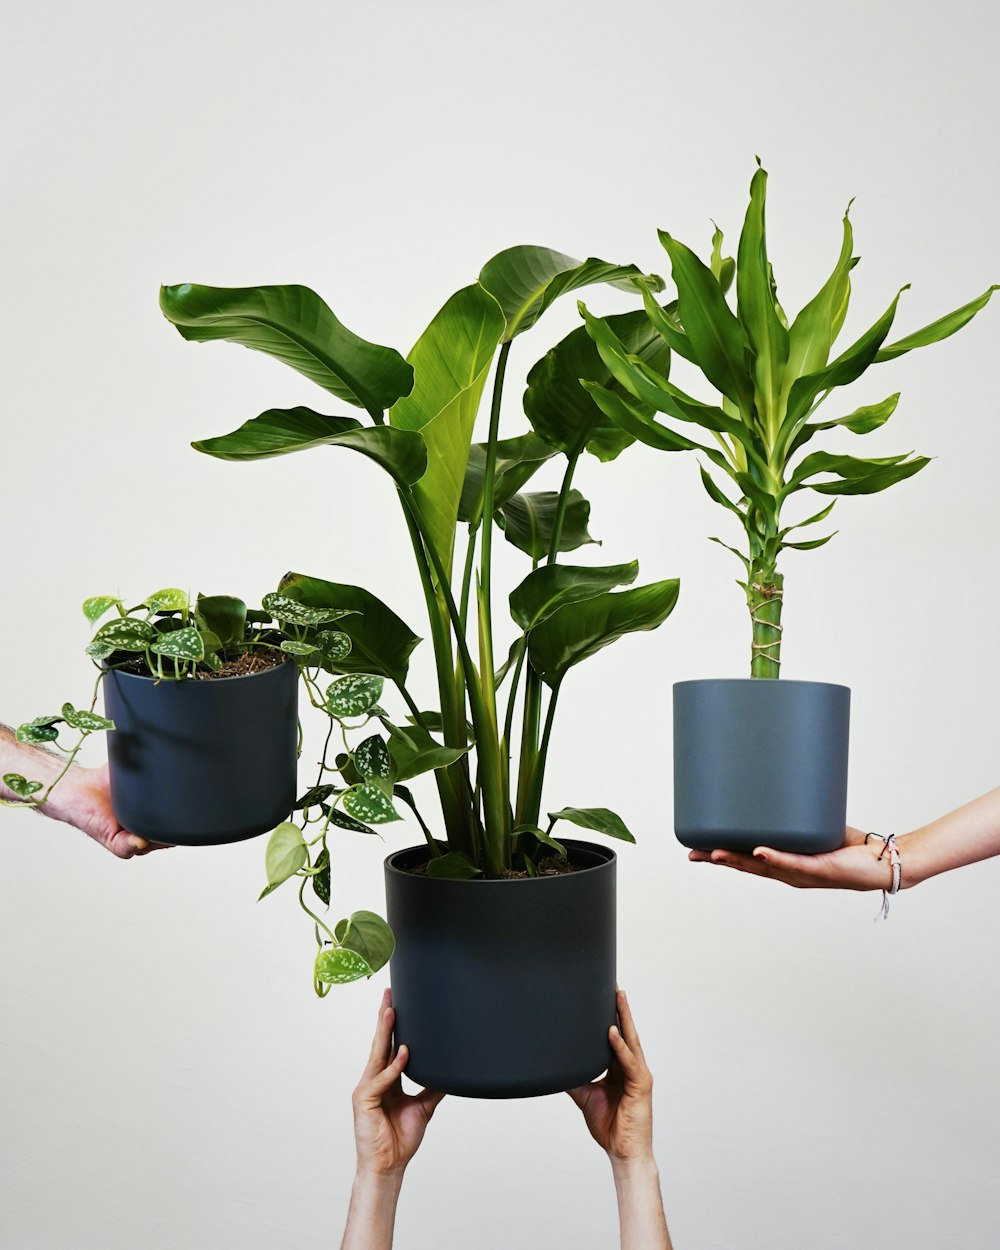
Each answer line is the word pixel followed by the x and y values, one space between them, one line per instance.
pixel 772 376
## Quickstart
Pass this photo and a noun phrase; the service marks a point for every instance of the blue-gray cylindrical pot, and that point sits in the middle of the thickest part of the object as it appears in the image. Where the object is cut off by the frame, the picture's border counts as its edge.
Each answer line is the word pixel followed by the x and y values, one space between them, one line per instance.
pixel 761 762
pixel 504 989
pixel 202 762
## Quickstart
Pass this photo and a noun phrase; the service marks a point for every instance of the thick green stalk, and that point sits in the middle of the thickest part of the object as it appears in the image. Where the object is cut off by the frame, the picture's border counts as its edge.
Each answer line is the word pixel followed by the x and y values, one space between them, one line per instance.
pixel 489 494
pixel 764 597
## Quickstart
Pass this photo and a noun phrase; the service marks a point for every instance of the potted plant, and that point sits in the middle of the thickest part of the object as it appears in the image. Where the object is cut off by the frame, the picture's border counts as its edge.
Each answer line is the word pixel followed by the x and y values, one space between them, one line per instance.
pixel 760 761
pixel 504 967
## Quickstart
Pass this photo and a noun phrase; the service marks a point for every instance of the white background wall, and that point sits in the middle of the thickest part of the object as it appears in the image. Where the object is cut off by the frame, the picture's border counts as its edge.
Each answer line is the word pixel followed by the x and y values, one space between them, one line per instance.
pixel 166 1077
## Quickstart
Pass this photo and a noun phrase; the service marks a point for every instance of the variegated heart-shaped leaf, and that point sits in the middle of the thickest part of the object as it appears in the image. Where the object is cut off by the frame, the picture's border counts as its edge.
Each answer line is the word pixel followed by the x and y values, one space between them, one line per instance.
pixel 353 695
pixel 282 608
pixel 334 645
pixel 95 607
pixel 38 731
pixel 369 802
pixel 20 786
pixel 286 853
pixel 125 634
pixel 372 760
pixel 169 600
pixel 89 722
pixel 180 644
pixel 336 965
pixel 294 647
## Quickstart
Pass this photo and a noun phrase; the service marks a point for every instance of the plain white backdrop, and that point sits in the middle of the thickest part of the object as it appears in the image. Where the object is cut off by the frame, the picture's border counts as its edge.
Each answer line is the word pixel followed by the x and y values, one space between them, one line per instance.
pixel 167 1079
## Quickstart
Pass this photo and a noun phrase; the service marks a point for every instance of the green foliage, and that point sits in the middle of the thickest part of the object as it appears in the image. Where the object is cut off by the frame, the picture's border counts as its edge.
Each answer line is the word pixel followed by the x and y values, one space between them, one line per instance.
pixel 354 695
pixel 529 521
pixel 600 819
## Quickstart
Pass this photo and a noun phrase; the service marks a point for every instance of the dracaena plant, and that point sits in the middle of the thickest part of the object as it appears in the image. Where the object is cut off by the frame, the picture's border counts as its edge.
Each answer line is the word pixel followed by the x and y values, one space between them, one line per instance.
pixel 488 739
pixel 771 376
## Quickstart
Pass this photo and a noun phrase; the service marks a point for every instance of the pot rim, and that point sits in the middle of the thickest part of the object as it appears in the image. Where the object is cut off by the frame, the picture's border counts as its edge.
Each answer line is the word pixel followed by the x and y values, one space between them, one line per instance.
pixel 274 668
pixel 609 862
pixel 761 682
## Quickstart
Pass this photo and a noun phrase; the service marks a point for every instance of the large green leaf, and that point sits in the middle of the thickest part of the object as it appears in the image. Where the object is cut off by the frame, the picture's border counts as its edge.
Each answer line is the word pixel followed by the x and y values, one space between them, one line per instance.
pixel 757 308
pixel 554 585
pixel 380 642
pixel 286 853
pixel 224 615
pixel 528 521
pixel 415 751
pixel 814 330
pixel 454 866
pixel 338 965
pixel 451 360
pixel 600 819
pixel 937 330
pixel 526 279
pixel 279 431
pixel 565 414
pixel 295 326
pixel 368 935
pixel 637 421
pixel 518 459
pixel 717 340
pixel 579 630
pixel 854 476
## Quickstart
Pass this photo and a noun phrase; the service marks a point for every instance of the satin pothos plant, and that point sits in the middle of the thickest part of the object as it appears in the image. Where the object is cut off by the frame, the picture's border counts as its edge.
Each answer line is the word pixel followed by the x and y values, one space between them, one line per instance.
pixel 488 740
pixel 771 376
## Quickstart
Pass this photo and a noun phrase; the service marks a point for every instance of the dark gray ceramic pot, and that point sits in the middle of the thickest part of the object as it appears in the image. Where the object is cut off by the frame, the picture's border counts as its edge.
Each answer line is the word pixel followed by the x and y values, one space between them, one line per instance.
pixel 504 989
pixel 761 763
pixel 202 762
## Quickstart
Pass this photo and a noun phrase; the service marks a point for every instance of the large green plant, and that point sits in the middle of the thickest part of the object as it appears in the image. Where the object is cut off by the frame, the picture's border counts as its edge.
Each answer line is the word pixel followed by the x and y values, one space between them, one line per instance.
pixel 771 376
pixel 423 414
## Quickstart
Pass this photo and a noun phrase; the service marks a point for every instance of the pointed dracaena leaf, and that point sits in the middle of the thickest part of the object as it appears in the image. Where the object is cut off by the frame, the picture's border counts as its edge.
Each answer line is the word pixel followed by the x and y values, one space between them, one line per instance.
pixel 578 630
pixel 180 644
pixel 370 804
pixel 723 267
pixel 543 837
pixel 283 608
pixel 848 467
pixel 739 556
pixel 815 329
pixel 717 340
pixel 943 328
pixel 453 866
pixel 88 722
pixel 292 324
pixel 286 853
pixel 168 600
pixel 21 786
pixel 415 751
pixel 525 280
pixel 565 414
pixel 554 585
pixel 451 360
pixel 872 483
pixel 314 796
pixel 812 520
pixel 224 615
pixel 528 522
pixel 371 759
pixel 94 608
pixel 600 819
pixel 126 634
pixel 719 496
pixel 280 431
pixel 321 879
pixel 333 645
pixel 343 821
pixel 294 647
pixel 860 421
pixel 517 461
pixel 757 307
pixel 354 695
pixel 35 735
pixel 336 965
pixel 811 544
pixel 380 641
pixel 368 935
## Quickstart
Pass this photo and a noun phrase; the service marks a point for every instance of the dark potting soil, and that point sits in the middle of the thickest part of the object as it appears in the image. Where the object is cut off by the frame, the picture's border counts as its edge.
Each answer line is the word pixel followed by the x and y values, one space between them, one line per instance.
pixel 550 866
pixel 245 664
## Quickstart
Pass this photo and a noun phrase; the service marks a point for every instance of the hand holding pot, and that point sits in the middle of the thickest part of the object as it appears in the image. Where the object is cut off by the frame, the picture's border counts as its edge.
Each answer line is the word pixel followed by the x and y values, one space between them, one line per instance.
pixel 853 867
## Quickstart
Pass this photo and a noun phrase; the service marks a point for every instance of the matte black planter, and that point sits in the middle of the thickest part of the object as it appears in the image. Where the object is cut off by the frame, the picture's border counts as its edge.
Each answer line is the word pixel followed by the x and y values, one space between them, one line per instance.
pixel 201 762
pixel 761 763
pixel 504 989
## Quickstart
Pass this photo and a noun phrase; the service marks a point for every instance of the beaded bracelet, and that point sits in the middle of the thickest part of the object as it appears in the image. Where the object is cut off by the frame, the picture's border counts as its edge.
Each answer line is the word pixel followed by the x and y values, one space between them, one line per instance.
pixel 889 844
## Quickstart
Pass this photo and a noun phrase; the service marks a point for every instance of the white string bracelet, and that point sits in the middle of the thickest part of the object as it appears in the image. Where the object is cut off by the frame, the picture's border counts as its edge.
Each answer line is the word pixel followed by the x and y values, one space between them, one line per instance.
pixel 889 844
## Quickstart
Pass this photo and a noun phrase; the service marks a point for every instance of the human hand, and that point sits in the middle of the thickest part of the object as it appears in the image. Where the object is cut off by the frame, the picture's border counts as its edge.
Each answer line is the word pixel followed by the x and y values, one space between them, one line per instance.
pixel 83 799
pixel 853 866
pixel 388 1124
pixel 618 1108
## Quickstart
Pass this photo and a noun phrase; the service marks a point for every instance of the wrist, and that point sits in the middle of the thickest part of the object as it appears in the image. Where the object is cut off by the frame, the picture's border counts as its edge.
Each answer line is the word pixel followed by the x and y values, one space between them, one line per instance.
pixel 633 1169
pixel 912 859
pixel 379 1181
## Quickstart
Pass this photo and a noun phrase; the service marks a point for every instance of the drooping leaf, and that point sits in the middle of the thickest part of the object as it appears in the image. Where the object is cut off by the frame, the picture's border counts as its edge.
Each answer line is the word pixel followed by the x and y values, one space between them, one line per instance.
pixel 451 360
pixel 453 866
pixel 854 476
pixel 368 935
pixel 937 330
pixel 286 853
pixel 126 633
pixel 354 695
pixel 552 586
pixel 517 461
pixel 88 722
pixel 371 759
pixel 21 786
pixel 528 520
pixel 525 280
pixel 314 796
pixel 343 821
pixel 861 421
pixel 380 641
pixel 280 431
pixel 38 731
pixel 284 608
pixel 415 751
pixel 95 607
pixel 370 804
pixel 292 324
pixel 336 965
pixel 169 600
pixel 578 630
pixel 224 615
pixel 180 644
pixel 600 819
pixel 637 421
pixel 321 878
pixel 545 838
pixel 562 411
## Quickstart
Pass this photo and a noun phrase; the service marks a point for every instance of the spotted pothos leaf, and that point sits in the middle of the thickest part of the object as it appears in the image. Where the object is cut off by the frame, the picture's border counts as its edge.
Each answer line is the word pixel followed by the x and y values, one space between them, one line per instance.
pixel 282 608
pixel 87 721
pixel 353 695
pixel 370 804
pixel 336 965
pixel 20 786
pixel 95 607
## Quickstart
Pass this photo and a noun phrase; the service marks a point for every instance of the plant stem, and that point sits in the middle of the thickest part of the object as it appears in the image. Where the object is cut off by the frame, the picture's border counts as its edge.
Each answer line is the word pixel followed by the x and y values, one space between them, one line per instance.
pixel 764 598
pixel 470 560
pixel 489 494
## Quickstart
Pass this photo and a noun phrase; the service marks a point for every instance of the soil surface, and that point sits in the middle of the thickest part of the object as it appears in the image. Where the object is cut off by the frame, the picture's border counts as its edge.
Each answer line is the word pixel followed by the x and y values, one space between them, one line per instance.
pixel 550 866
pixel 242 665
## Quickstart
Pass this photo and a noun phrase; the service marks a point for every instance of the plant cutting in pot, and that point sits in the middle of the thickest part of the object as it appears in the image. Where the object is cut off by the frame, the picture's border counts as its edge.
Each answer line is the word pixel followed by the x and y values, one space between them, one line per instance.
pixel 504 969
pixel 758 761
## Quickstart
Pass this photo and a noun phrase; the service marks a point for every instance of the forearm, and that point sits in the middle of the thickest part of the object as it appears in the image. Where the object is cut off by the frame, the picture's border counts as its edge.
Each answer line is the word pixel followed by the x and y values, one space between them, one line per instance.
pixel 640 1205
pixel 965 836
pixel 372 1214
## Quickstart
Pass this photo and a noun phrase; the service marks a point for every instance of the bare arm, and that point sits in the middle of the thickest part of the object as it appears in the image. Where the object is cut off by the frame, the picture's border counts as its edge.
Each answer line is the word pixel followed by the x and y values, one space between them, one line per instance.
pixel 618 1110
pixel 82 798
pixel 965 836
pixel 388 1128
